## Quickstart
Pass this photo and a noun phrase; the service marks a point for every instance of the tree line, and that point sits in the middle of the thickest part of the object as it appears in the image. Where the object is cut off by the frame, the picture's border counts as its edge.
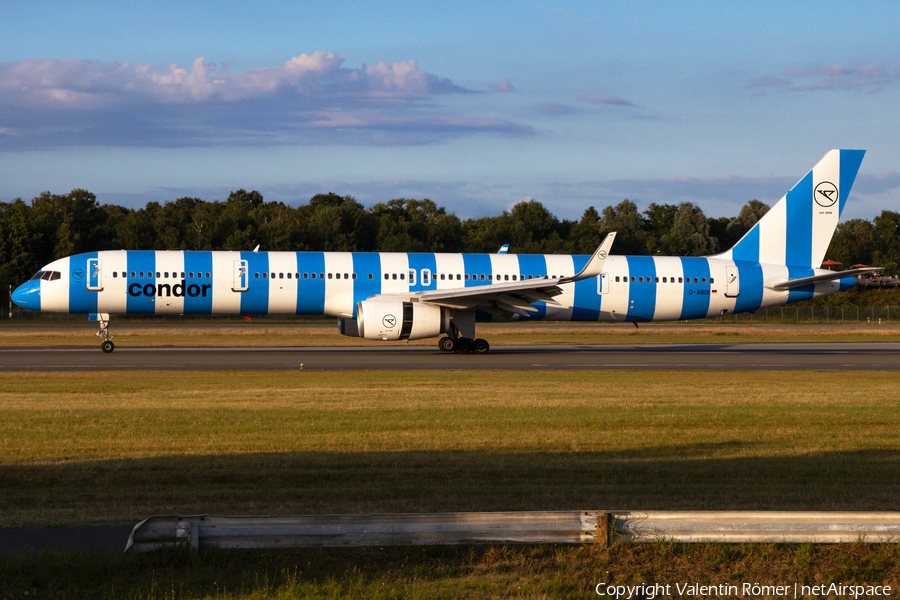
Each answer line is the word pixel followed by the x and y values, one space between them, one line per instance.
pixel 52 226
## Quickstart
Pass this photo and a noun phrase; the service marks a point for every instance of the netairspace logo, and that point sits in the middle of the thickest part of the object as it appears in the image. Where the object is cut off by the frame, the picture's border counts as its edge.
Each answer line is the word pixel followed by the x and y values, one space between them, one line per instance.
pixel 649 591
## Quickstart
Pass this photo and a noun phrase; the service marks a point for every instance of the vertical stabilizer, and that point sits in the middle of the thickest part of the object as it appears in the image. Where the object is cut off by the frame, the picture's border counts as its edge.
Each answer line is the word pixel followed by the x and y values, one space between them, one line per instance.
pixel 797 230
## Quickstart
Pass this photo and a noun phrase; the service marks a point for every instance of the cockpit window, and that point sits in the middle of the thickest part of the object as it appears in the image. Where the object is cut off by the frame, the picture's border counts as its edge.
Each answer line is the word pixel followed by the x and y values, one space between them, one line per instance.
pixel 46 276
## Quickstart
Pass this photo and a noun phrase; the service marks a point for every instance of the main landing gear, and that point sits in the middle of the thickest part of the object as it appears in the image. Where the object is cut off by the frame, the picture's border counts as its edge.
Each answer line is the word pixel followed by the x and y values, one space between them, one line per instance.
pixel 107 346
pixel 462 345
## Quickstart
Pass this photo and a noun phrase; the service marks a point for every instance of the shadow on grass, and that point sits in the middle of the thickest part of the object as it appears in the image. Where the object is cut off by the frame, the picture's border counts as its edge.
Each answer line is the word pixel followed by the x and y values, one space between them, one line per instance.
pixel 689 477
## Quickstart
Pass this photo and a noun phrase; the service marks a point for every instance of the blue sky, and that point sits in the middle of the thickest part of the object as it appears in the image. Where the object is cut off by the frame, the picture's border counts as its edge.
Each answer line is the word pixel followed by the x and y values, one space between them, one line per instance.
pixel 474 105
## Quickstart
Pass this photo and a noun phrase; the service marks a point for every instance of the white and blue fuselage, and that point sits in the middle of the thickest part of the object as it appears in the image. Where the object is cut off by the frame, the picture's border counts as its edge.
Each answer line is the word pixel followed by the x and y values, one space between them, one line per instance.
pixel 630 288
pixel 404 296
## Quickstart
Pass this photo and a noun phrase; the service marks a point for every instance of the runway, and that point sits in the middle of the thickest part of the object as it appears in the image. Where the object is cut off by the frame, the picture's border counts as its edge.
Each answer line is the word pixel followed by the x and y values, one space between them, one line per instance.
pixel 802 356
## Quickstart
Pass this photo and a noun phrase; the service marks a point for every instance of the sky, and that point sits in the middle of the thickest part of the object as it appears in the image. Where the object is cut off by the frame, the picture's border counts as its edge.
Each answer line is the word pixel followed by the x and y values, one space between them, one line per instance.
pixel 475 105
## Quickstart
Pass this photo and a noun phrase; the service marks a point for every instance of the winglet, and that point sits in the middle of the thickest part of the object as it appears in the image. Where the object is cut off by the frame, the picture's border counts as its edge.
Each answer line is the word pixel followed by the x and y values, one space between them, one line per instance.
pixel 595 265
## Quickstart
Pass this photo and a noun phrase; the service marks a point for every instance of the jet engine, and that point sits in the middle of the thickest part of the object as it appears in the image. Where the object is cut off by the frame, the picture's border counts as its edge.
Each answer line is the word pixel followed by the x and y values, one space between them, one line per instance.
pixel 397 320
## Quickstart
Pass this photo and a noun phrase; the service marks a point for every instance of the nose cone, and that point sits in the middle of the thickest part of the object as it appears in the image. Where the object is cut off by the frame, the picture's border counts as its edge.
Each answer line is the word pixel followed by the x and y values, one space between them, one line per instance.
pixel 28 295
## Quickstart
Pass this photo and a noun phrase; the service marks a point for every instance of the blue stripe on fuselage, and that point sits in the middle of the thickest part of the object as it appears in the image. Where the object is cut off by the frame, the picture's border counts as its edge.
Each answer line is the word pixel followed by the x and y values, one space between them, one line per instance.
pixel 533 265
pixel 803 292
pixel 475 266
pixel 750 278
pixel 310 292
pixel 198 264
pixel 365 263
pixel 80 299
pixel 255 301
pixel 695 302
pixel 141 261
pixel 587 298
pixel 641 295
pixel 419 261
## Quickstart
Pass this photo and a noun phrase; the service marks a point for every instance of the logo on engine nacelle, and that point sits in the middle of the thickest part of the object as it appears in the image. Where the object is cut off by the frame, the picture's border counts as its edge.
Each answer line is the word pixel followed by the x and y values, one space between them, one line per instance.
pixel 389 321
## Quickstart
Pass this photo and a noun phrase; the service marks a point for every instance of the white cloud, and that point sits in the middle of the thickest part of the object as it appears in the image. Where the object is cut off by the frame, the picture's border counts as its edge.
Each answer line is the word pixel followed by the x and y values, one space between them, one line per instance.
pixel 865 78
pixel 82 102
pixel 608 99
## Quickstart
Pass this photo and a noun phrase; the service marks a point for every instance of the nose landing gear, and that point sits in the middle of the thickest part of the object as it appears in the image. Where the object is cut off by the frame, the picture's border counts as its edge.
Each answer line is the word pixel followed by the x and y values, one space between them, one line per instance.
pixel 107 346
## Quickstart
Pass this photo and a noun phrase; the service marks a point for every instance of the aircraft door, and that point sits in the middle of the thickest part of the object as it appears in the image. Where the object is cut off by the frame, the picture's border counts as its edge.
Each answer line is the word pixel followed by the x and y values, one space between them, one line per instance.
pixel 603 283
pixel 94 280
pixel 412 277
pixel 241 276
pixel 426 277
pixel 732 282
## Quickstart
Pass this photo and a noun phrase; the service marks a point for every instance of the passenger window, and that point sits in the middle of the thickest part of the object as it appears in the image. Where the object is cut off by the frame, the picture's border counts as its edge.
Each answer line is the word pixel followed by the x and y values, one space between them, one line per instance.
pixel 632 279
pixel 265 275
pixel 402 276
pixel 482 276
pixel 664 280
pixel 354 276
pixel 442 276
pixel 386 276
pixel 256 276
pixel 696 280
pixel 704 280
pixel 115 274
pixel 394 276
pixel 657 280
pixel 290 275
pixel 182 274
pixel 457 276
pixel 491 277
pixel 132 274
pixel 711 280
pixel 314 276
pixel 371 276
pixel 207 274
pixel 306 275
pixel 329 276
pixel 142 274
pixel 346 276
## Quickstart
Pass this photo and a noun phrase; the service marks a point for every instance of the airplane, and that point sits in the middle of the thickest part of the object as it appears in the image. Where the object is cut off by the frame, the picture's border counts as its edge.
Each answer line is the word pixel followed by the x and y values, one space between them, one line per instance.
pixel 411 296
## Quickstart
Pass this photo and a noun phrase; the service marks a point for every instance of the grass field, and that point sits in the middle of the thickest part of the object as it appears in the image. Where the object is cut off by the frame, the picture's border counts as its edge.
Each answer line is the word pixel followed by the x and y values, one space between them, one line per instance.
pixel 114 448
pixel 170 334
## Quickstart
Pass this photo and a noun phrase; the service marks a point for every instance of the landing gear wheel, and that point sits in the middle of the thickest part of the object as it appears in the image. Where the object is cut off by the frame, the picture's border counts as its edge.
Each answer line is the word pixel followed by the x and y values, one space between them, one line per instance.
pixel 480 346
pixel 446 344
pixel 107 346
pixel 462 346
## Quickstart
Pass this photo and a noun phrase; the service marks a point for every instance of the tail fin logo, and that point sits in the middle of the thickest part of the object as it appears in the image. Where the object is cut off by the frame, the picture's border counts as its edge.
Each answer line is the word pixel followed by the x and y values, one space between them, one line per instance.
pixel 826 194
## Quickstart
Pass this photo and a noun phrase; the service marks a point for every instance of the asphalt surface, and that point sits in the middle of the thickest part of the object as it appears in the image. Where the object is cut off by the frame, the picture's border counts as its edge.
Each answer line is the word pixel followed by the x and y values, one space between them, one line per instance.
pixel 805 356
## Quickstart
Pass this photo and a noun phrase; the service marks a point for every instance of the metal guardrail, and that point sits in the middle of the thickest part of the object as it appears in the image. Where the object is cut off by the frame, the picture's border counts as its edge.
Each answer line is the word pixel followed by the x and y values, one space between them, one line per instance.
pixel 554 527
pixel 321 531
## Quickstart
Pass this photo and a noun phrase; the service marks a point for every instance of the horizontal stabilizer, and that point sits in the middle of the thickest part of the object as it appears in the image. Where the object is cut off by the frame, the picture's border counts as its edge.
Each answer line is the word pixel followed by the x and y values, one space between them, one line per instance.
pixel 784 285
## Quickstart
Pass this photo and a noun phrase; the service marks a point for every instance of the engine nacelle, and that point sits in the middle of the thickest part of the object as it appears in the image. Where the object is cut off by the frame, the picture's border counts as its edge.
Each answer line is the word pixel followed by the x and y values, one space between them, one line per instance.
pixel 397 320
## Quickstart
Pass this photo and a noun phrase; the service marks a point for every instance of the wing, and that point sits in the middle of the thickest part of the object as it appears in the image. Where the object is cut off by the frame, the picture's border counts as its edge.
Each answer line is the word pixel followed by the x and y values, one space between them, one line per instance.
pixel 515 297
